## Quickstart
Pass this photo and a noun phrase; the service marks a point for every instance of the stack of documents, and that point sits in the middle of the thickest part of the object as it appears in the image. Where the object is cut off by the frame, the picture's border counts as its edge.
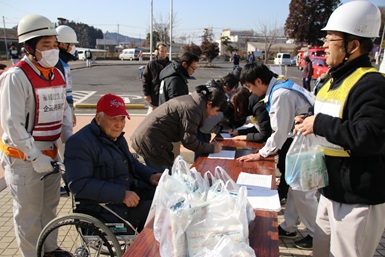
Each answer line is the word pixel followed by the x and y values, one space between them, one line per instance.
pixel 259 192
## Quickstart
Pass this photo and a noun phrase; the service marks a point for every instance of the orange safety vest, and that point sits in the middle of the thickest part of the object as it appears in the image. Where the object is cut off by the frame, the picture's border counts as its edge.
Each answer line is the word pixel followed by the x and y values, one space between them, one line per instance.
pixel 16 153
pixel 50 98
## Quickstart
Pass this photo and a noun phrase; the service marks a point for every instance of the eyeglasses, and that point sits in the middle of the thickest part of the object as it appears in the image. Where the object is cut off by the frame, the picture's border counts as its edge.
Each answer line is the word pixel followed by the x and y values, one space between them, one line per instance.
pixel 328 40
pixel 193 68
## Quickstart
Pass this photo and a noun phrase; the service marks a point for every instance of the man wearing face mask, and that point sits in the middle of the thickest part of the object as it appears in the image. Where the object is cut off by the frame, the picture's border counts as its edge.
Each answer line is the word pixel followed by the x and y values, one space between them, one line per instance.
pixel 67 39
pixel 34 115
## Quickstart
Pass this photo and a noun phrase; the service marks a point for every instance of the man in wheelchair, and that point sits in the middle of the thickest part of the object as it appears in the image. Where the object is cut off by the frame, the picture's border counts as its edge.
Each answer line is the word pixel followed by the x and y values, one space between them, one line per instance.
pixel 101 169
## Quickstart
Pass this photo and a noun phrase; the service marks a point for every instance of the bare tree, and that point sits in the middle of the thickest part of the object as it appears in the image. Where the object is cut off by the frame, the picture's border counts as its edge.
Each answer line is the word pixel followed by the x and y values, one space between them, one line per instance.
pixel 161 25
pixel 183 38
pixel 269 33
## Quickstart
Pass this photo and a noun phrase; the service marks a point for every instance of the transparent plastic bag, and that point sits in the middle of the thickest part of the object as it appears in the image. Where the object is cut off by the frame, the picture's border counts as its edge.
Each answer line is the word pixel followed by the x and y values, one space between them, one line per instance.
pixel 227 247
pixel 181 180
pixel 225 215
pixel 305 164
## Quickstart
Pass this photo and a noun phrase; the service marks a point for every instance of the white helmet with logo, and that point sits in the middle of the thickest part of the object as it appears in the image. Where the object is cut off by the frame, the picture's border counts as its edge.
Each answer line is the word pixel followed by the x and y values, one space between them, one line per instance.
pixel 66 34
pixel 359 18
pixel 34 25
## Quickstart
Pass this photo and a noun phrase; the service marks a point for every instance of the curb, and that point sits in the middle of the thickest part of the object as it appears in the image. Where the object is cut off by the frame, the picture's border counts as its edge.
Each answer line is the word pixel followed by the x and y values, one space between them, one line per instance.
pixel 128 106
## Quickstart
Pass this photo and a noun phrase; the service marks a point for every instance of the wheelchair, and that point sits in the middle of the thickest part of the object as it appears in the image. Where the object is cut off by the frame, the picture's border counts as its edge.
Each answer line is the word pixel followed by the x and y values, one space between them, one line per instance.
pixel 84 235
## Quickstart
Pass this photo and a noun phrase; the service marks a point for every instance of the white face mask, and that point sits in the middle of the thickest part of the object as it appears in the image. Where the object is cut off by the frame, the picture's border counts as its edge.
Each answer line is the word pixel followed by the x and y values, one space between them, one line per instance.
pixel 73 50
pixel 49 58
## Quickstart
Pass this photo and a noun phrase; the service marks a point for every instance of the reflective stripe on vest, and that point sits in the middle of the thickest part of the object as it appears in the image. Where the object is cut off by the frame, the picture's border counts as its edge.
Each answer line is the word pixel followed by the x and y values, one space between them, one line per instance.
pixel 16 153
pixel 290 85
pixel 332 102
pixel 50 97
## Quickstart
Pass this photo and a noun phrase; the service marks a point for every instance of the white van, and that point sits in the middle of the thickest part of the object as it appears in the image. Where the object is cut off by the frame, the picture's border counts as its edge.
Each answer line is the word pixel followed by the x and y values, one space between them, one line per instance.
pixel 81 55
pixel 129 54
pixel 282 59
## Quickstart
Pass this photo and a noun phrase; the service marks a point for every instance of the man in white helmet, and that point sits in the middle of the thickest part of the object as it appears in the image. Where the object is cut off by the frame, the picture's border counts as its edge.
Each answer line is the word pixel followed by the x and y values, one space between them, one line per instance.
pixel 67 39
pixel 34 115
pixel 349 120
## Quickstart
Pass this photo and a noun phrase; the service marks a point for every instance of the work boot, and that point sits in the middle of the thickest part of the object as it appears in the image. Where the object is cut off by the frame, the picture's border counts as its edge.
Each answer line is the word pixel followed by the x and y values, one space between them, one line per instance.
pixel 305 243
pixel 284 234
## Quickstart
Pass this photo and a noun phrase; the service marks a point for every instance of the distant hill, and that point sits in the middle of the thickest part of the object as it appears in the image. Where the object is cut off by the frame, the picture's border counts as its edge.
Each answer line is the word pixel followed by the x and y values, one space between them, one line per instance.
pixel 122 38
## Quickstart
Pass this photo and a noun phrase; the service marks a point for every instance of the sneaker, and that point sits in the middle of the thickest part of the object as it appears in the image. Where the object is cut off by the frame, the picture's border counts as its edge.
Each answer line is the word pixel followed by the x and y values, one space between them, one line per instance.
pixel 283 234
pixel 305 243
pixel 58 253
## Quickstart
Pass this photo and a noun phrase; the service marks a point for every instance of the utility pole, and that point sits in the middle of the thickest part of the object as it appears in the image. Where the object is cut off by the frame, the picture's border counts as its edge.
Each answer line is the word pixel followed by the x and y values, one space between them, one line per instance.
pixel 170 30
pixel 117 36
pixel 5 39
pixel 104 44
pixel 379 50
pixel 151 19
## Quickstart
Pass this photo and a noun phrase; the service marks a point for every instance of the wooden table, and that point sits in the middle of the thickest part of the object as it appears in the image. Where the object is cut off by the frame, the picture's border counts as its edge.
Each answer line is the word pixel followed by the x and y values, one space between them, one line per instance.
pixel 263 230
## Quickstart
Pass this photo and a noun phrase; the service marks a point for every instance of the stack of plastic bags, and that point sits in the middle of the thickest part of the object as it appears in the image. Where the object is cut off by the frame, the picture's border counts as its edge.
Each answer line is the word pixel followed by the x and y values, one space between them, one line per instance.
pixel 201 216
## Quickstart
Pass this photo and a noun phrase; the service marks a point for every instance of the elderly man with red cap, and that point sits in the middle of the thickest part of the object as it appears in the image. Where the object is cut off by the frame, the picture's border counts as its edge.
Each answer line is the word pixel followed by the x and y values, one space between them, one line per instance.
pixel 100 168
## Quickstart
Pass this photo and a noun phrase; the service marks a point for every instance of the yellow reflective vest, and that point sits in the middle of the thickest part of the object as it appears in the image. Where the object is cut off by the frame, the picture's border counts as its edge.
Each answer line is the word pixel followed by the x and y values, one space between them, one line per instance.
pixel 332 101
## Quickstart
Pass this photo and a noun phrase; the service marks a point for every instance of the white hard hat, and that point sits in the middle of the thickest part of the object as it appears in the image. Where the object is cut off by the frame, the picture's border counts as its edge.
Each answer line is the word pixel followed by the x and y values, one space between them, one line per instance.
pixel 34 25
pixel 359 18
pixel 66 34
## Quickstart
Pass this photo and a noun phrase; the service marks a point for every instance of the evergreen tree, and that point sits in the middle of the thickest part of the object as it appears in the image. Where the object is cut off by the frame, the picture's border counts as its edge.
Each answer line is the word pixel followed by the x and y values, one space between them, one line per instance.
pixel 307 18
pixel 210 50
pixel 86 34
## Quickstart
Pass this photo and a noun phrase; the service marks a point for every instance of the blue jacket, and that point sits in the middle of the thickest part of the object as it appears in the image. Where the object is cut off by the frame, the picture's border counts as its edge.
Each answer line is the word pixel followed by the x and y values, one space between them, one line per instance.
pixel 100 170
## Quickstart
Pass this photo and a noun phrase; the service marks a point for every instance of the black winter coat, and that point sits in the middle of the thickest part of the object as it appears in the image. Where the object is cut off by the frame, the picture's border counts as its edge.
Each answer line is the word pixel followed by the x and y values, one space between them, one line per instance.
pixel 257 109
pixel 173 82
pixel 151 80
pixel 358 179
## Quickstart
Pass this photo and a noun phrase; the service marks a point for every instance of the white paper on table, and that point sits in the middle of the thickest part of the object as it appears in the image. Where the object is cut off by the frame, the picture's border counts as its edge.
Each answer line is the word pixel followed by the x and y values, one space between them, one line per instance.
pixel 226 135
pixel 259 192
pixel 245 126
pixel 224 154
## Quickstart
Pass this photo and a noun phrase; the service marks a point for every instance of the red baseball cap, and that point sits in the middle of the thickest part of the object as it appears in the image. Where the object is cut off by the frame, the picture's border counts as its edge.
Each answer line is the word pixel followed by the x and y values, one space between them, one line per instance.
pixel 112 105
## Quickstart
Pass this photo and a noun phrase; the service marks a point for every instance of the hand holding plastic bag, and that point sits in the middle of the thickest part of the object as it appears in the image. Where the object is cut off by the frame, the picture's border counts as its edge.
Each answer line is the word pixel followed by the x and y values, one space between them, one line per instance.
pixel 305 164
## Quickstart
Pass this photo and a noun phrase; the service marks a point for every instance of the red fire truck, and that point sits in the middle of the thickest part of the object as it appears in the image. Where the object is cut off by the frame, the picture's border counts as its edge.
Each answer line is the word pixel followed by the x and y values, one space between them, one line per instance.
pixel 313 51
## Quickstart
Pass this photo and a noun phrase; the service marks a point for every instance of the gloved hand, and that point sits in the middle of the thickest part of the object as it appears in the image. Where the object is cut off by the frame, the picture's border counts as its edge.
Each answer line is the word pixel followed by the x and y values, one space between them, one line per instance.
pixel 42 164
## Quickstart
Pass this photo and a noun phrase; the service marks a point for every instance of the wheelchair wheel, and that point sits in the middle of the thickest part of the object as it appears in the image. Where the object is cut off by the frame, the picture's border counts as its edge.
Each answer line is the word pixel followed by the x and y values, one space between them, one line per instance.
pixel 81 235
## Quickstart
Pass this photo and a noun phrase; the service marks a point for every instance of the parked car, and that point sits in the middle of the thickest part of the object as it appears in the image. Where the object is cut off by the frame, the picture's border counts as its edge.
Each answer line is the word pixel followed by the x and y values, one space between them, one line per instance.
pixel 293 61
pixel 311 52
pixel 129 54
pixel 319 66
pixel 282 59
pixel 80 55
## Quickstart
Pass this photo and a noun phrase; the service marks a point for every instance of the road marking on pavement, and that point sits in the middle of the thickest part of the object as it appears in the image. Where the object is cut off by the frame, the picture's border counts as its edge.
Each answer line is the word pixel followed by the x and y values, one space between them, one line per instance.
pixel 80 96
